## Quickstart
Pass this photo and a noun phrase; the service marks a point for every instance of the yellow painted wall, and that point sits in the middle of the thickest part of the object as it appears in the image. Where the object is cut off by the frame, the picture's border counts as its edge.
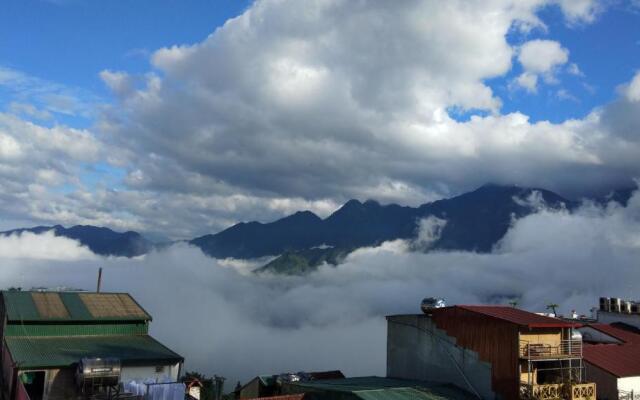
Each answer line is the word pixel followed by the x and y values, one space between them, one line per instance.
pixel 550 337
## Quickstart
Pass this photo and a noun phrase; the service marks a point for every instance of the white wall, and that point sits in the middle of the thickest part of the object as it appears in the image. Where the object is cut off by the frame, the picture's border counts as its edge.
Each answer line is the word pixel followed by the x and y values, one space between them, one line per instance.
pixel 149 372
pixel 609 317
pixel 630 383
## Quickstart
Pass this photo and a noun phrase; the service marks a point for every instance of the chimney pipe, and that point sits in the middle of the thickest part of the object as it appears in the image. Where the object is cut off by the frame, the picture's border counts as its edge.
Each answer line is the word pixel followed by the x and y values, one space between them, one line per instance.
pixel 99 279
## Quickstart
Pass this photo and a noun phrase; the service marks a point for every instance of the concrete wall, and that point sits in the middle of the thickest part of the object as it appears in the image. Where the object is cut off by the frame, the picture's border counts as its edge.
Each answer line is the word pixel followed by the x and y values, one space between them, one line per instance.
pixel 610 317
pixel 149 372
pixel 416 349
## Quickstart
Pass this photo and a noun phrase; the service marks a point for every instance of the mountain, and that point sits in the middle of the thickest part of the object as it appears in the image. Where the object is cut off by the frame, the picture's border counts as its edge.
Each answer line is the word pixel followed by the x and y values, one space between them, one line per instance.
pixel 250 240
pixel 304 261
pixel 475 222
pixel 102 241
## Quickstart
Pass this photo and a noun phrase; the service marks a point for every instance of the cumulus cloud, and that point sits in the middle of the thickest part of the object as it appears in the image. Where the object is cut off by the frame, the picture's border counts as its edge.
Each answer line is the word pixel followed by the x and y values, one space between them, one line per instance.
pixel 299 102
pixel 581 11
pixel 540 58
pixel 230 322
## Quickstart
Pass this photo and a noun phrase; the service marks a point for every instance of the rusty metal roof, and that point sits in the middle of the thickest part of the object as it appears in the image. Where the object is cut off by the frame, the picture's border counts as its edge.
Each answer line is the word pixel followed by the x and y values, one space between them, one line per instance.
pixel 517 316
pixel 26 306
pixel 619 360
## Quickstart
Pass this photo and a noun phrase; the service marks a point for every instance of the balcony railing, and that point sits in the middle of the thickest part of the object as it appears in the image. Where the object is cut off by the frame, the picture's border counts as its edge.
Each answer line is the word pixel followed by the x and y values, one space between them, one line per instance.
pixel 558 391
pixel 624 395
pixel 542 351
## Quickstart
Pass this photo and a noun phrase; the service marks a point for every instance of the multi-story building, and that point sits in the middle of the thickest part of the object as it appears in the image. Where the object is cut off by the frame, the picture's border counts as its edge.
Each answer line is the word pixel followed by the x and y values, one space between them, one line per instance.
pixel 494 352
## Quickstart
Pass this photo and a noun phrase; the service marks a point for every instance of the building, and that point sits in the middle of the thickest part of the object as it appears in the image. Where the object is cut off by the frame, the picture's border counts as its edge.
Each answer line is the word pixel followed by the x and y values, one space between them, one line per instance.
pixel 46 334
pixel 494 352
pixel 271 385
pixel 612 359
pixel 375 388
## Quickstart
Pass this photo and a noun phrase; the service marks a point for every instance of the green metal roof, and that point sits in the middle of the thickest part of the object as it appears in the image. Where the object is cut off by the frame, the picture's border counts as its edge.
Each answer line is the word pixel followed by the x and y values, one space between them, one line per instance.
pixel 56 352
pixel 377 388
pixel 21 307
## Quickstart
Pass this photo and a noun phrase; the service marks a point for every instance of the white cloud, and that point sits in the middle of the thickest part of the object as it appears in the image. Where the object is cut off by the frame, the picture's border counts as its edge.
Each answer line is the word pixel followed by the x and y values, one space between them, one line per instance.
pixel 581 11
pixel 632 90
pixel 540 58
pixel 45 246
pixel 528 81
pixel 40 98
pixel 573 69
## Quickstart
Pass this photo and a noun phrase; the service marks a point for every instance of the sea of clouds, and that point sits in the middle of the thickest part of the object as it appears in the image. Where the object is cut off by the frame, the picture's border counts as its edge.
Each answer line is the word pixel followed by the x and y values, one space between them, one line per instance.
pixel 225 320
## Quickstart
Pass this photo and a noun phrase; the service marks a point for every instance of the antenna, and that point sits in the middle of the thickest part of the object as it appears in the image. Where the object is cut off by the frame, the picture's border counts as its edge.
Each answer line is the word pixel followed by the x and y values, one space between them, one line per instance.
pixel 99 279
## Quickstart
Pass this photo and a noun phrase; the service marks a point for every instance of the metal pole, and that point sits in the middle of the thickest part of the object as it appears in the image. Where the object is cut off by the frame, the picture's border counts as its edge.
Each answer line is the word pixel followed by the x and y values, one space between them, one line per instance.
pixel 99 279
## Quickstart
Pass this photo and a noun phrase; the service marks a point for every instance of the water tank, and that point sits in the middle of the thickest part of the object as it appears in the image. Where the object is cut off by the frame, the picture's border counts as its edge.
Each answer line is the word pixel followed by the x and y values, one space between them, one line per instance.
pixel 616 305
pixel 635 308
pixel 430 303
pixel 626 307
pixel 576 335
pixel 94 373
pixel 605 304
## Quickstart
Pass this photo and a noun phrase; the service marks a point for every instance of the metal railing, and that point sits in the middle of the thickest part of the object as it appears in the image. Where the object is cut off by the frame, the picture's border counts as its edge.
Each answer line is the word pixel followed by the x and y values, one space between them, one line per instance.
pixel 558 391
pixel 632 395
pixel 541 351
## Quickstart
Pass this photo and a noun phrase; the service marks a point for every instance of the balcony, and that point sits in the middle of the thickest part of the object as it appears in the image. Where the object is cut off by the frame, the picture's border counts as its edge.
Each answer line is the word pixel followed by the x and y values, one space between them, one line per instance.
pixel 558 391
pixel 545 351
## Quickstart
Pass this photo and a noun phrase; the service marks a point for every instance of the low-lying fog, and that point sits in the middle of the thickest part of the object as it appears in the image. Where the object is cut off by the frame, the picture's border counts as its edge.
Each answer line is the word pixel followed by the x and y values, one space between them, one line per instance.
pixel 225 320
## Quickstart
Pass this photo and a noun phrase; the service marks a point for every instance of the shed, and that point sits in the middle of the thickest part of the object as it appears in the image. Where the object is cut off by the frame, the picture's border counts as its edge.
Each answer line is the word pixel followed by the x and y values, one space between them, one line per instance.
pixel 45 334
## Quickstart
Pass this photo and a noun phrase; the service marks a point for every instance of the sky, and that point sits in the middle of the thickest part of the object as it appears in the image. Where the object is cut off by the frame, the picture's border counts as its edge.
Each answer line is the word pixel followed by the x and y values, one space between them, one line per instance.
pixel 181 118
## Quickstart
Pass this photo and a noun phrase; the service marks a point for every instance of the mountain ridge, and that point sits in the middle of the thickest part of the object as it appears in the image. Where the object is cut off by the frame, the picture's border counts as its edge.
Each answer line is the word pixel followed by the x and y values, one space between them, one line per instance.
pixel 476 220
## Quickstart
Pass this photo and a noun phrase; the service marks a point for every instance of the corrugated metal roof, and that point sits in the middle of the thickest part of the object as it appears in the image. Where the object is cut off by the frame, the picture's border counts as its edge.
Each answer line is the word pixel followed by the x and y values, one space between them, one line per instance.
pixel 516 316
pixel 398 394
pixel 619 360
pixel 336 374
pixel 71 306
pixel 76 329
pixel 374 388
pixel 53 352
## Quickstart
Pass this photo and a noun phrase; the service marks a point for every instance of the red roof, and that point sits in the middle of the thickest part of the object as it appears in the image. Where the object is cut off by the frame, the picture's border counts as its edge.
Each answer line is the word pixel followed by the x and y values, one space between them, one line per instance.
pixel 619 360
pixel 518 316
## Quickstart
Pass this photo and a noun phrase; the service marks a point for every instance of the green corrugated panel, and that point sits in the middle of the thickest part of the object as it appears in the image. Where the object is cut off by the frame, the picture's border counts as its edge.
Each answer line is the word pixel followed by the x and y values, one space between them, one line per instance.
pixel 19 305
pixel 75 329
pixel 75 306
pixel 398 394
pixel 55 352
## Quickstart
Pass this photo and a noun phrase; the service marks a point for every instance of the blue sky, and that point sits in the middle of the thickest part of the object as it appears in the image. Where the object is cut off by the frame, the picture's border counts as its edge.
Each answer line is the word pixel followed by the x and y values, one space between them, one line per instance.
pixel 218 126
